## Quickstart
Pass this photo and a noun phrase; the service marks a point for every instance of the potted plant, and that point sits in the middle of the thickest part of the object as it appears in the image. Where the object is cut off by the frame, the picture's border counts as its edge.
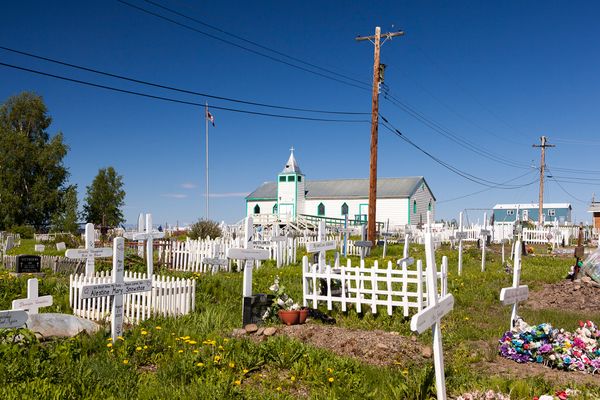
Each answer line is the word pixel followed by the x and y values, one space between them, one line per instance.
pixel 283 305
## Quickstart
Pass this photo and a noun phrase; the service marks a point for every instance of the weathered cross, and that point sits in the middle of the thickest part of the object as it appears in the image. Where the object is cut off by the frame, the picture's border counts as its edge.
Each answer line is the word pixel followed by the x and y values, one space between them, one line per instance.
pixel 321 246
pixel 117 289
pixel 431 315
pixel 278 243
pixel 385 235
pixel 460 235
pixel 148 235
pixel 250 254
pixel 90 253
pixel 141 229
pixel 33 302
pixel 512 295
pixel 484 235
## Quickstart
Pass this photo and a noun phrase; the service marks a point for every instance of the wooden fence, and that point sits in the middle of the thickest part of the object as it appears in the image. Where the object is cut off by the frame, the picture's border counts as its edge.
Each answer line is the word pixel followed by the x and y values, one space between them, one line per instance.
pixel 169 297
pixel 370 287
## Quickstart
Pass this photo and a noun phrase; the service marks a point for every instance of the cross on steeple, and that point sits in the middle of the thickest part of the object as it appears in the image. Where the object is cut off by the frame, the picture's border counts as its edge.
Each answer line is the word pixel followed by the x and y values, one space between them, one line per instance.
pixel 292 149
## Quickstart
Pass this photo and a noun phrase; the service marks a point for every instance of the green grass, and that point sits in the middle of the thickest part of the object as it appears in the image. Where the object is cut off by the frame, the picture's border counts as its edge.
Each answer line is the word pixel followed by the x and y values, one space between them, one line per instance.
pixel 161 364
pixel 28 247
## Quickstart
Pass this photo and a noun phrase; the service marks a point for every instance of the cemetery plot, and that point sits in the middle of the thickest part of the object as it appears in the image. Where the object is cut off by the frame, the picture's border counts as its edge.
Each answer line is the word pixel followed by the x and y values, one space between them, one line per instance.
pixel 33 302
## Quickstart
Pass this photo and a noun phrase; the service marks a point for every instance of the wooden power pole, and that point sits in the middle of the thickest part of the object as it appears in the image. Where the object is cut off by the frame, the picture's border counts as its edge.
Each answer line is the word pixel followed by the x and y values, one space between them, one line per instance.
pixel 543 144
pixel 377 78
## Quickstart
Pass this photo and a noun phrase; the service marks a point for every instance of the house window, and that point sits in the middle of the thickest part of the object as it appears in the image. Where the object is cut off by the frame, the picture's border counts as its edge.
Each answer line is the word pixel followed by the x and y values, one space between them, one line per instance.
pixel 299 179
pixel 275 209
pixel 429 206
pixel 344 209
pixel 257 209
pixel 291 178
pixel 321 209
pixel 552 212
pixel 282 179
pixel 510 212
pixel 414 206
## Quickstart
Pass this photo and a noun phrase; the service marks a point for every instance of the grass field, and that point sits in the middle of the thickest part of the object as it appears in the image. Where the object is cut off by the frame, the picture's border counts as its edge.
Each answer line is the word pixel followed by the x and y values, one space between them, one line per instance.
pixel 194 356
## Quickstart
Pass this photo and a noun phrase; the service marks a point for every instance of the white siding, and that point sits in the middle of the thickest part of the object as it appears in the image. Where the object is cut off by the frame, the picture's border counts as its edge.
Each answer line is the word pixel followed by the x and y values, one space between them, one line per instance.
pixel 301 197
pixel 266 206
pixel 422 196
pixel 396 210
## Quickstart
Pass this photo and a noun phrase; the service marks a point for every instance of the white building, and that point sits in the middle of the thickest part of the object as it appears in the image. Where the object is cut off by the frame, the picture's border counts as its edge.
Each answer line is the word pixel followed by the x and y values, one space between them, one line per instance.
pixel 400 201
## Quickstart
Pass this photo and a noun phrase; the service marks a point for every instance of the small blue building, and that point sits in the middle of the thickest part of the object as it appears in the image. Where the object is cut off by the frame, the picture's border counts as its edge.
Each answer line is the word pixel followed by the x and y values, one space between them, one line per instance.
pixel 530 212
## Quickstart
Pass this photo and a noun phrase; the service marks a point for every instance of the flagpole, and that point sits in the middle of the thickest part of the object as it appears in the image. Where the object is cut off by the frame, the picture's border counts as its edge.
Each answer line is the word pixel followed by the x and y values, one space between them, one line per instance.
pixel 206 121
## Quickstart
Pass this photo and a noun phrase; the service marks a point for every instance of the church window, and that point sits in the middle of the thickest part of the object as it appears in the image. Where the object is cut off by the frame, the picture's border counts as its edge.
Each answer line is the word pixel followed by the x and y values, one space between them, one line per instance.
pixel 291 178
pixel 321 209
pixel 257 209
pixel 414 206
pixel 429 206
pixel 275 209
pixel 282 179
pixel 299 179
pixel 344 209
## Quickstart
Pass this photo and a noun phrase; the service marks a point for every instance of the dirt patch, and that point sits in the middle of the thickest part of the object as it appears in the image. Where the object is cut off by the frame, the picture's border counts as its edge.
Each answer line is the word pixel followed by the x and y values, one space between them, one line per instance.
pixel 372 347
pixel 507 368
pixel 566 295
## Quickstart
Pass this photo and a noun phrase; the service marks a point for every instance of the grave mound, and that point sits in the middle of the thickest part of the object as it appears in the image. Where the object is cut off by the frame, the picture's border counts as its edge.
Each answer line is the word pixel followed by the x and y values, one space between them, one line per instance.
pixel 53 325
pixel 581 296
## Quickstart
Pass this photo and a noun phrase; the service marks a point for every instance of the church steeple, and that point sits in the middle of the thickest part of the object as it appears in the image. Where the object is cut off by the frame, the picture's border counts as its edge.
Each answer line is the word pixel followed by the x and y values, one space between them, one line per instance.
pixel 291 167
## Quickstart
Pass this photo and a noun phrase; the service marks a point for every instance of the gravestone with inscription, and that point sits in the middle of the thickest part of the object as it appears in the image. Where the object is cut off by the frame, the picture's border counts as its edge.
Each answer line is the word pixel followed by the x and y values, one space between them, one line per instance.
pixel 61 246
pixel 28 264
pixel 39 248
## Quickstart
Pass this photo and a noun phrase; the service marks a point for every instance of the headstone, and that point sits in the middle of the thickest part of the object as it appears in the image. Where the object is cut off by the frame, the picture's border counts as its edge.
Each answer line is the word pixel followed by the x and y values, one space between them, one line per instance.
pixel 513 295
pixel 39 248
pixel 28 264
pixel 33 302
pixel 10 243
pixel 254 308
pixel 431 315
pixel 90 253
pixel 321 246
pixel 61 246
pixel 117 289
pixel 12 319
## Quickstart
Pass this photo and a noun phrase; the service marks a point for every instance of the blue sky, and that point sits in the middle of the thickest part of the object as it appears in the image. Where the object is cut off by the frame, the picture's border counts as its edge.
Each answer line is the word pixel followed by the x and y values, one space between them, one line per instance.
pixel 495 74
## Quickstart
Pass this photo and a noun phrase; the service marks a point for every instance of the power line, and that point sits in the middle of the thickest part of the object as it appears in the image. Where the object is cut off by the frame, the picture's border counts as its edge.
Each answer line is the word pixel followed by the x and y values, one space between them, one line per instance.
pixel 181 24
pixel 466 175
pixel 254 43
pixel 565 190
pixel 180 90
pixel 96 85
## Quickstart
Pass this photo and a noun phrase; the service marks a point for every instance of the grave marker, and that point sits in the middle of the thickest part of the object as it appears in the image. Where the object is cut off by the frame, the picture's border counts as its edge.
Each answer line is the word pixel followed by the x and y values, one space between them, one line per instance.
pixel 484 234
pixel 149 235
pixel 10 243
pixel 460 235
pixel 28 264
pixel 321 246
pixel 12 319
pixel 90 253
pixel 61 246
pixel 385 239
pixel 431 315
pixel 117 288
pixel 39 248
pixel 516 293
pixel 141 228
pixel 33 302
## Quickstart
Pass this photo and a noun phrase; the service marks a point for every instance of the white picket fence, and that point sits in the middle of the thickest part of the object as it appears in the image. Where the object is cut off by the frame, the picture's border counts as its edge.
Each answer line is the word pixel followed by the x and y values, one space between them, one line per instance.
pixel 370 287
pixel 169 297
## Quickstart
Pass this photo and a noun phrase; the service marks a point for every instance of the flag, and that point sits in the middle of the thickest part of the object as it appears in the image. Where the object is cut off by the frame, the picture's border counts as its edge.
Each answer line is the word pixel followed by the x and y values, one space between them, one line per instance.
pixel 210 117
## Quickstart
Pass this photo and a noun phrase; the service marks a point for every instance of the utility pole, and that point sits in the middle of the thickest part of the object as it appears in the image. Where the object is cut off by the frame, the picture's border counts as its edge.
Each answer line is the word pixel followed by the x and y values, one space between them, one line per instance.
pixel 378 70
pixel 543 144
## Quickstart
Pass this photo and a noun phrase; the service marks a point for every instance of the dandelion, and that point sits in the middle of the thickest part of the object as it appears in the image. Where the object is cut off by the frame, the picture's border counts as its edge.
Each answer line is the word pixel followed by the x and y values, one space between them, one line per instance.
pixel 217 359
pixel 238 382
pixel 109 345
pixel 145 347
pixel 221 348
pixel 180 351
pixel 120 338
pixel 144 332
pixel 109 339
pixel 196 351
pixel 293 379
pixel 138 348
pixel 330 370
pixel 192 342
pixel 330 379
pixel 125 362
pixel 405 372
pixel 244 371
pixel 279 388
pixel 466 318
pixel 200 364
pixel 158 328
pixel 225 340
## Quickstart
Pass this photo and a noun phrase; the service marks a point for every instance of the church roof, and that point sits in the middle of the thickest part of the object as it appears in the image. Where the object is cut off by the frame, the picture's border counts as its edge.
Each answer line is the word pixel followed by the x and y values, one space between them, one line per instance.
pixel 291 167
pixel 346 189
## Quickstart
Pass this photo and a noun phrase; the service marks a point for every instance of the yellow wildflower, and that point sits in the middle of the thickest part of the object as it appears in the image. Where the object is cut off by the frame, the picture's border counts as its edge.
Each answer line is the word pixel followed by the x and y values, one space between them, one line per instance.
pixel 196 351
pixel 145 347
pixel 238 382
pixel 293 378
pixel 138 348
pixel 330 379
pixel 245 371
pixel 330 370
pixel 158 328
pixel 231 365
pixel 109 339
pixel 217 359
pixel 180 351
pixel 405 372
pixel 192 342
pixel 200 364
pixel 125 362
pixel 220 347
pixel 120 338
pixel 144 332
pixel 109 345
pixel 225 340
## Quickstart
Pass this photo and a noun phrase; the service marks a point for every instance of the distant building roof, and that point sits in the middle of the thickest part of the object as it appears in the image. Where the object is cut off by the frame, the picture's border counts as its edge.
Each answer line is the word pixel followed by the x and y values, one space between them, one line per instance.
pixel 347 188
pixel 522 206
pixel 594 207
pixel 291 167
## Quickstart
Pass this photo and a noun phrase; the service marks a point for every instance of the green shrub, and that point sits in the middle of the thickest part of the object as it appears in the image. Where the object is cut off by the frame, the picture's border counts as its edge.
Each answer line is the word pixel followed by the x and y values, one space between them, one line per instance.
pixel 26 231
pixel 204 228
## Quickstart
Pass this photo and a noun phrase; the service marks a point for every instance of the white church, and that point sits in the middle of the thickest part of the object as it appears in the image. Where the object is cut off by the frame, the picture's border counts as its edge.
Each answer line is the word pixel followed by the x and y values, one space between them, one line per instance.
pixel 400 201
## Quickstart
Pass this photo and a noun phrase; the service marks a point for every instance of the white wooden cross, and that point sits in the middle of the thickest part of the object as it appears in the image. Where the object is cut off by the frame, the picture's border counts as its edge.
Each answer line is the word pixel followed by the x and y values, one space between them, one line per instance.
pixel 141 228
pixel 407 236
pixel 321 246
pixel 460 235
pixel 515 293
pixel 117 288
pixel 90 252
pixel 33 302
pixel 12 319
pixel 250 254
pixel 385 235
pixel 148 235
pixel 431 315
pixel 484 234
pixel 277 239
